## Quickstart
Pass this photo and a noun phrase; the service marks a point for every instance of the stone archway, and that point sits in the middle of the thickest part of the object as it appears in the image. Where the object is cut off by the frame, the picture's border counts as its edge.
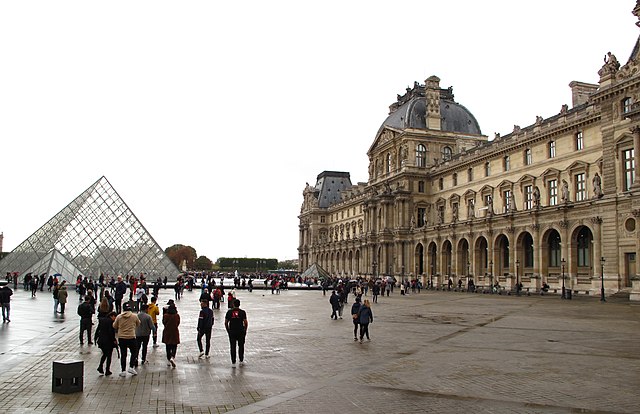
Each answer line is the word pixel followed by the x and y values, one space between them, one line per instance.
pixel 433 263
pixel 501 260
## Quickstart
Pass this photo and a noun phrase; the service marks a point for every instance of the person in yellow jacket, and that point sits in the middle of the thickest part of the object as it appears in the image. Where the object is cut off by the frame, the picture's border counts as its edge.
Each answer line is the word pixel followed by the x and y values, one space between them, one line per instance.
pixel 154 311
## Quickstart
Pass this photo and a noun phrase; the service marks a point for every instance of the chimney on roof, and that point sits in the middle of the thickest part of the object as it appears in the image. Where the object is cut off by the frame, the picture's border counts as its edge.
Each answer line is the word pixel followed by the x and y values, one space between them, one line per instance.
pixel 432 93
pixel 580 92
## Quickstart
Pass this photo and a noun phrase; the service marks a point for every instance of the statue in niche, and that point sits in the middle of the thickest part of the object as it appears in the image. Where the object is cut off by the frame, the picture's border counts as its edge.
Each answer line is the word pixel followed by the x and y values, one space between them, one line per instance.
pixel 512 202
pixel 454 213
pixel 440 215
pixel 536 197
pixel 472 208
pixel 490 205
pixel 597 186
pixel 564 191
pixel 412 222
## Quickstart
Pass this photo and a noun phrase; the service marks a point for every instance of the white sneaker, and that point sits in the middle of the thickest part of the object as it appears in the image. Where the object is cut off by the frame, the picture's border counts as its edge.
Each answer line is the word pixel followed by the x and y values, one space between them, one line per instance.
pixel 233 364
pixel 241 363
pixel 201 355
pixel 155 345
pixel 207 356
pixel 172 362
pixel 123 374
pixel 132 371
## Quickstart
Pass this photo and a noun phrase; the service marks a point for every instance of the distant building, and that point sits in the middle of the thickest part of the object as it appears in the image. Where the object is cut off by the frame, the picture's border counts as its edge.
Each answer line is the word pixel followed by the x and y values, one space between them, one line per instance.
pixel 549 199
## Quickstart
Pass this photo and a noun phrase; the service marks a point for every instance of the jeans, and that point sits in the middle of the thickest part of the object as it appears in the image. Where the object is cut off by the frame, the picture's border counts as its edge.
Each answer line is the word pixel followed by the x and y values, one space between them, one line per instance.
pixel 5 311
pixel 128 343
pixel 207 336
pixel 364 330
pixel 239 340
pixel 106 356
pixel 172 349
pixel 142 342
pixel 85 325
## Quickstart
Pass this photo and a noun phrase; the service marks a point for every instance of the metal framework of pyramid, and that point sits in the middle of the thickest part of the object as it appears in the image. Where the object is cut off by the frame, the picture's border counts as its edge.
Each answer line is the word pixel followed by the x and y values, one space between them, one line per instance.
pixel 316 271
pixel 95 234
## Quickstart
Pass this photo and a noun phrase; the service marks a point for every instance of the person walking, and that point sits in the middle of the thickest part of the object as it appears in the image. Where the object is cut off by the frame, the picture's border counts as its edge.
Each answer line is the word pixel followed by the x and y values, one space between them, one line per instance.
pixel 106 340
pixel 205 324
pixel 153 311
pixel 54 293
pixel 85 311
pixel 355 315
pixel 170 333
pixel 62 295
pixel 334 300
pixel 236 324
pixel 365 318
pixel 5 301
pixel 120 290
pixel 125 324
pixel 143 332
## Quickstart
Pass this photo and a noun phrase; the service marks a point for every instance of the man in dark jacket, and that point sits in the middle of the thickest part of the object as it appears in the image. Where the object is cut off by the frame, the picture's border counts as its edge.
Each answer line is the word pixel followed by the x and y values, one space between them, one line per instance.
pixel 334 300
pixel 205 323
pixel 5 299
pixel 85 310
pixel 106 339
pixel 121 289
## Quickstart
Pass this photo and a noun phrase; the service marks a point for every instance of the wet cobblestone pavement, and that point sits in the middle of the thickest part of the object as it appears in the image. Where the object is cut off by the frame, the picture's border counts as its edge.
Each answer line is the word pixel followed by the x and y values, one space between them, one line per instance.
pixel 441 352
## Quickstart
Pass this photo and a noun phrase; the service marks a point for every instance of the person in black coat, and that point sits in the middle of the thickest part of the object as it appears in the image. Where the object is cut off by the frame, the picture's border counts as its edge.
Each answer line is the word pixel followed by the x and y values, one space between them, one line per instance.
pixel 85 310
pixel 106 339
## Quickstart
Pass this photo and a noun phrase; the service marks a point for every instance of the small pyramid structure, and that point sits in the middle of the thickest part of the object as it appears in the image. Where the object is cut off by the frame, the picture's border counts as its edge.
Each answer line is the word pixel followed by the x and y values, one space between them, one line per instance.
pixel 95 234
pixel 315 271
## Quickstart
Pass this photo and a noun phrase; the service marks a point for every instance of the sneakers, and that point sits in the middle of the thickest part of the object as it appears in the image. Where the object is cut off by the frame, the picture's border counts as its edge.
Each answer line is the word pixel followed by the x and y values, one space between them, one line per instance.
pixel 100 370
pixel 108 373
pixel 123 374
pixel 233 364
pixel 201 355
pixel 132 371
pixel 207 356
pixel 241 363
pixel 155 345
pixel 361 341
pixel 172 362
pixel 168 363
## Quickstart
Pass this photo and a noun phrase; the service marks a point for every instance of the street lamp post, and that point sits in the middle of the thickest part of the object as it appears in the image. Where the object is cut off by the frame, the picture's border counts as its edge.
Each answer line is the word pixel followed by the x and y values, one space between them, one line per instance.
pixel 431 278
pixel 602 299
pixel 491 276
pixel 468 275
pixel 517 277
pixel 563 290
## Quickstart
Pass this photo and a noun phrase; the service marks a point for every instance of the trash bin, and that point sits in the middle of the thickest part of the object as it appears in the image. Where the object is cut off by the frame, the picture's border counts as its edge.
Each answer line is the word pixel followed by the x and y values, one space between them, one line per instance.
pixel 68 376
pixel 568 293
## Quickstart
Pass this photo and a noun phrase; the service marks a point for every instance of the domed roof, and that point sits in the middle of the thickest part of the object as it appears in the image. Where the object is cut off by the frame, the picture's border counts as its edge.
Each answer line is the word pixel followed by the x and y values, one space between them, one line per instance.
pixel 410 112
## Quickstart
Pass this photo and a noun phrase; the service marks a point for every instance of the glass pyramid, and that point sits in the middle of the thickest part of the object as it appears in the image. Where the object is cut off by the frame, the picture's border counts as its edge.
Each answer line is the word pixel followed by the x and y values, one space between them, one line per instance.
pixel 95 234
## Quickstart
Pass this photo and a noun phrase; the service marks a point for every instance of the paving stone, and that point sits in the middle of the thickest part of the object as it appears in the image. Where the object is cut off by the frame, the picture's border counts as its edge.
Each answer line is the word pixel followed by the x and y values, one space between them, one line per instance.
pixel 430 352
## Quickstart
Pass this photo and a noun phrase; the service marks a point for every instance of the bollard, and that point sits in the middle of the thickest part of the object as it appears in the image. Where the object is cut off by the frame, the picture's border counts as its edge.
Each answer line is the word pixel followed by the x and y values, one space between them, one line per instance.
pixel 67 377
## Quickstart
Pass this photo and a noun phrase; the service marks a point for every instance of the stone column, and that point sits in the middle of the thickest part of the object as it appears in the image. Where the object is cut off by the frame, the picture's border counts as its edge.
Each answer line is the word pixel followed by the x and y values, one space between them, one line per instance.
pixel 537 256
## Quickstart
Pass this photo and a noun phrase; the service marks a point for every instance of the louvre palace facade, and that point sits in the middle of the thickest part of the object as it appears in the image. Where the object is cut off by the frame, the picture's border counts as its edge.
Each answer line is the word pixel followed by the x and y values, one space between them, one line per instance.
pixel 554 202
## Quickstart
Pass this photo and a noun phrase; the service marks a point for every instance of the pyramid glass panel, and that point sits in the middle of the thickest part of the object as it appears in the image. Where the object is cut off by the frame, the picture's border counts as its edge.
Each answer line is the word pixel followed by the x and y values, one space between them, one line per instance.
pixel 95 234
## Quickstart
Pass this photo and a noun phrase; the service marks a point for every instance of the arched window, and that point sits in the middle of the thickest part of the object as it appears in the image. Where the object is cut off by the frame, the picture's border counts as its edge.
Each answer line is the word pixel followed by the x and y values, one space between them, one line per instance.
pixel 446 153
pixel 584 242
pixel 554 249
pixel 421 156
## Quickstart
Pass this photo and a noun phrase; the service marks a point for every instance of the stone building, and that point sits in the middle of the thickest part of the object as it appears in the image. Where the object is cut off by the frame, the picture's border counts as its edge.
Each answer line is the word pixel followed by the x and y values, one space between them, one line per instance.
pixel 554 202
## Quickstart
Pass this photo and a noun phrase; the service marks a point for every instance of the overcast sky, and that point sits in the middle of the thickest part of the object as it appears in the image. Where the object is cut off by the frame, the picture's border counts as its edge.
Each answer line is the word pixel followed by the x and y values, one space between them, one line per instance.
pixel 208 117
